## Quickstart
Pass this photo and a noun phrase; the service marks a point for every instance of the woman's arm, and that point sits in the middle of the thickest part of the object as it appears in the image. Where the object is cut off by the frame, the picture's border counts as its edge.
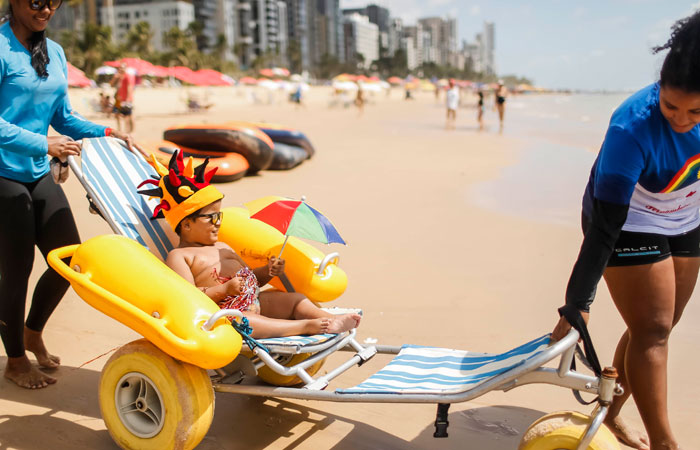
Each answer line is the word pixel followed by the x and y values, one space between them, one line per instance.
pixel 69 123
pixel 18 140
pixel 604 229
pixel 617 170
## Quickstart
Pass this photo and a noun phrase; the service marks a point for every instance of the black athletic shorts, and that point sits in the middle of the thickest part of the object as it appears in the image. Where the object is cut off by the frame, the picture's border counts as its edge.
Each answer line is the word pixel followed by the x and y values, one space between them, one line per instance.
pixel 632 249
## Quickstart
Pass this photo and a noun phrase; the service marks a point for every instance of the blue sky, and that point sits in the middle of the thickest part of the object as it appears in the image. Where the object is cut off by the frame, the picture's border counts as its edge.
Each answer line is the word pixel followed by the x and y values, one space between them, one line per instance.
pixel 596 44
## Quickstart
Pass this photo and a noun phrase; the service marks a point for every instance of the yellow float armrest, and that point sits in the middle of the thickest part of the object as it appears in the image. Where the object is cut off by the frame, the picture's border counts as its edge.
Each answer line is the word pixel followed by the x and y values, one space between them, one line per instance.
pixel 55 258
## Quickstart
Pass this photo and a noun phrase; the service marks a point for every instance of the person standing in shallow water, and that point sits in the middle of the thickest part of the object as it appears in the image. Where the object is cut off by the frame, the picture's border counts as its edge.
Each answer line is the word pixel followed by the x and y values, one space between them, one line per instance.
pixel 452 103
pixel 480 109
pixel 500 103
pixel 33 209
pixel 641 229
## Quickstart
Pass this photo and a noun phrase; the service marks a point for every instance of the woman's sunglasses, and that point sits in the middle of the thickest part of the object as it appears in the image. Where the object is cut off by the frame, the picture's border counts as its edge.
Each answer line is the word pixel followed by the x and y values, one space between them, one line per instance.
pixel 38 5
pixel 214 218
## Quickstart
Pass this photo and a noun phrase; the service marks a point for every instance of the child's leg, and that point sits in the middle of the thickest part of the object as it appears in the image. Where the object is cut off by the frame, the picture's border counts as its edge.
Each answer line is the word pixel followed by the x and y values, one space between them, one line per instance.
pixel 294 306
pixel 265 327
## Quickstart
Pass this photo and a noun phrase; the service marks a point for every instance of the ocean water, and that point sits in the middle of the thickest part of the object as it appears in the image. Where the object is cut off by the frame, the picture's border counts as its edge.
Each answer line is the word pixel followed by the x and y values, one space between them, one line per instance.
pixel 562 135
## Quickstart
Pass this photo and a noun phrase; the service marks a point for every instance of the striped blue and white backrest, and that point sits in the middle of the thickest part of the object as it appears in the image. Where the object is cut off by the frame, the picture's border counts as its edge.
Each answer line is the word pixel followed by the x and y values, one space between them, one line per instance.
pixel 114 173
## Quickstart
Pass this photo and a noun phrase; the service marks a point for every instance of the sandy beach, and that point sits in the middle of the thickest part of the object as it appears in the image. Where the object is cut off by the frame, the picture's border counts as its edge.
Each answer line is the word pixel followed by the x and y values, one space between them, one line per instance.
pixel 461 239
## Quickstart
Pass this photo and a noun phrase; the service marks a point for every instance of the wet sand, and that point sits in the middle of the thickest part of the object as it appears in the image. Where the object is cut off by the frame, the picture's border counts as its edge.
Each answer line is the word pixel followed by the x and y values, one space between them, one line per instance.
pixel 446 248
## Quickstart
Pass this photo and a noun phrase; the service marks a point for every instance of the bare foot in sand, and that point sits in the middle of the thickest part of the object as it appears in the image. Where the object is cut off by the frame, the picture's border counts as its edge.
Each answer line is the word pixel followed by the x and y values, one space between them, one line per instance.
pixel 344 322
pixel 23 374
pixel 34 343
pixel 627 435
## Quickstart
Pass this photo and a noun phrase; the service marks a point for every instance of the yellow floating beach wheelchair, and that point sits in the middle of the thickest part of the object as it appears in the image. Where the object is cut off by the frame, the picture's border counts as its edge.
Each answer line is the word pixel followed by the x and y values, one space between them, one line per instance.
pixel 158 392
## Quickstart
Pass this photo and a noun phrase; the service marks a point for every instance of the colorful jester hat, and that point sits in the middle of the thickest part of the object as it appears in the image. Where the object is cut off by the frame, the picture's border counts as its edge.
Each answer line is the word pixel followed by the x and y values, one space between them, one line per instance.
pixel 182 189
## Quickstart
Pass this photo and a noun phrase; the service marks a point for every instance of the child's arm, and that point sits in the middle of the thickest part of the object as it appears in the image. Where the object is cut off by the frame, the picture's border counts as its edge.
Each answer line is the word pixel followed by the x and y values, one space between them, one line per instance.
pixel 273 268
pixel 178 263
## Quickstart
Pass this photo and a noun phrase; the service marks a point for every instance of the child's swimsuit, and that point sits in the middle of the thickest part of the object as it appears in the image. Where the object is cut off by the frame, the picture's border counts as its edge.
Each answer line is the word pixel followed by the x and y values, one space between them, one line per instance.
pixel 247 300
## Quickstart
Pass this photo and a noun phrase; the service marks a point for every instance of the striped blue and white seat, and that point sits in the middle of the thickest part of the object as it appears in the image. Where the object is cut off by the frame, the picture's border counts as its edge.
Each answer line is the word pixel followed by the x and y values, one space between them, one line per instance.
pixel 297 344
pixel 113 173
pixel 427 370
pixel 294 344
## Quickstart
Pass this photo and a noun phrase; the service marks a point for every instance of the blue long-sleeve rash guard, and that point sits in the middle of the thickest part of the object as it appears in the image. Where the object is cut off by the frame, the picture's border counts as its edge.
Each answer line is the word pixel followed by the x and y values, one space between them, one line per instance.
pixel 29 104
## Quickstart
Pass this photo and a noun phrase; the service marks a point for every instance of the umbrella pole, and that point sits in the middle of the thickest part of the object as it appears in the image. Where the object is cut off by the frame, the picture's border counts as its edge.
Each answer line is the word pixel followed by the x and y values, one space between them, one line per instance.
pixel 283 244
pixel 283 278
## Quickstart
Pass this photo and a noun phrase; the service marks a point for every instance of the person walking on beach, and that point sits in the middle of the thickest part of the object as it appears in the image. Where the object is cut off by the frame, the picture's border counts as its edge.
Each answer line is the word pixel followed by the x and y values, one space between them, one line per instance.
pixel 124 81
pixel 33 209
pixel 480 109
pixel 642 231
pixel 500 103
pixel 360 100
pixel 452 101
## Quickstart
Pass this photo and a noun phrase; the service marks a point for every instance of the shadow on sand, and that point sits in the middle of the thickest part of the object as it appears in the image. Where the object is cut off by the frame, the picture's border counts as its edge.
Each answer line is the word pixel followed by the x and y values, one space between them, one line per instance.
pixel 70 418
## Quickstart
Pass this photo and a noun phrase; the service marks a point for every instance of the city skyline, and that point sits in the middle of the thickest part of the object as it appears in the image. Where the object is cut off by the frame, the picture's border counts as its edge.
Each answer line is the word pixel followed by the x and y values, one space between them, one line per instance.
pixel 599 45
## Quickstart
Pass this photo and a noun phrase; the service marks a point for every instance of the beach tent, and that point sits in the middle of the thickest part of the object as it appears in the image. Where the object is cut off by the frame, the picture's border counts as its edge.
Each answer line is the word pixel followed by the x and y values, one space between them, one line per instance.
pixel 76 77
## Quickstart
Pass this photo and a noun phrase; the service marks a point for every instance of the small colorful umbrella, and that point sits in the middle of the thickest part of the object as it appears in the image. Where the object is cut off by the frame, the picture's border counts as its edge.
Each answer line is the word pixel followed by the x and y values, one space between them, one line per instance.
pixel 294 218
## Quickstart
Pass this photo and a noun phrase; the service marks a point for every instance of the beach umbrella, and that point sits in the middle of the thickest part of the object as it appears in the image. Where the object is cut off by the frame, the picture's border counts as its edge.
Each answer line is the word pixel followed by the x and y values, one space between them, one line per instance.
pixel 213 77
pixel 76 77
pixel 267 73
pixel 268 84
pixel 142 67
pixel 345 77
pixel 105 70
pixel 294 218
pixel 280 72
pixel 248 80
pixel 345 86
pixel 395 80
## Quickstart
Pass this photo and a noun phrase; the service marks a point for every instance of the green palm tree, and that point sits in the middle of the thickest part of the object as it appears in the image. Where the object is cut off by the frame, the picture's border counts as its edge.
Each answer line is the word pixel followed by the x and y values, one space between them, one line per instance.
pixel 138 40
pixel 182 47
pixel 90 47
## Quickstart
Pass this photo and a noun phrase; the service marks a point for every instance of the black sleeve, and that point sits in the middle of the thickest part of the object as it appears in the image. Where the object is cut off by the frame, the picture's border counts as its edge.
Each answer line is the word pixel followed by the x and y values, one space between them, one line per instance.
pixel 603 230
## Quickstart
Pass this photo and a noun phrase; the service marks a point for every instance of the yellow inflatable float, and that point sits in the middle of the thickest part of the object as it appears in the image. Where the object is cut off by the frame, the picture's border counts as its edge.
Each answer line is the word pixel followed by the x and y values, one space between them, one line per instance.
pixel 119 277
pixel 311 272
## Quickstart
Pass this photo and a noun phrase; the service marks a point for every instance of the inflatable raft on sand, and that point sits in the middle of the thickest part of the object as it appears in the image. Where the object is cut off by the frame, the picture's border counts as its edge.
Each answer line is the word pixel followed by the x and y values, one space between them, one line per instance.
pixel 230 166
pixel 264 145
pixel 246 140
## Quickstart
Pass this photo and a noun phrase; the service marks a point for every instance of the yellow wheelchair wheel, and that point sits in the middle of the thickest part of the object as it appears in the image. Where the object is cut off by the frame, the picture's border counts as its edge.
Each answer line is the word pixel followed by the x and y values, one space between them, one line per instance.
pixel 563 430
pixel 269 376
pixel 149 400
